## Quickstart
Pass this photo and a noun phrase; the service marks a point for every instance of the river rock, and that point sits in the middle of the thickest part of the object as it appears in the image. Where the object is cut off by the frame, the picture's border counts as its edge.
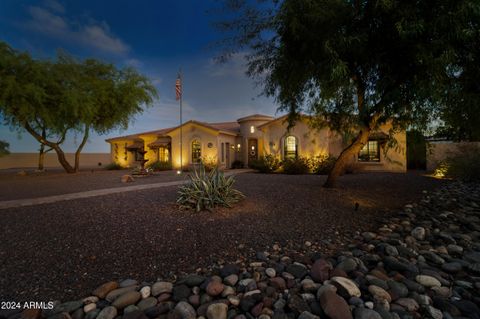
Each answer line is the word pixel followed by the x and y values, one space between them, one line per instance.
pixel 161 287
pixel 217 311
pixel 185 310
pixel 334 306
pixel 109 312
pixel 127 299
pixel 428 281
pixel 346 285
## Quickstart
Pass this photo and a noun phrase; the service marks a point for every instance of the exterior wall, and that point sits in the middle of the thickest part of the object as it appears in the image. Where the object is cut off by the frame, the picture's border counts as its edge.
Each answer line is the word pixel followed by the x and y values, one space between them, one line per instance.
pixel 393 160
pixel 150 155
pixel 311 142
pixel 120 155
pixel 191 132
pixel 440 150
pixel 246 134
pixel 30 160
pixel 224 138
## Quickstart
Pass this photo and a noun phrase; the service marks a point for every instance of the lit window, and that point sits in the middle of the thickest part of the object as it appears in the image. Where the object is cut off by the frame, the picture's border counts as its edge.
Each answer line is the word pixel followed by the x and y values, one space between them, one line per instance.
pixel 196 151
pixel 252 129
pixel 290 147
pixel 163 155
pixel 370 152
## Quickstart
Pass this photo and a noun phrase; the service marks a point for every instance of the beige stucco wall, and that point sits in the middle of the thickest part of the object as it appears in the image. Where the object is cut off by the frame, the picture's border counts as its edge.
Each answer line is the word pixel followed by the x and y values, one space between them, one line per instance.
pixel 246 134
pixel 30 160
pixel 311 142
pixel 122 156
pixel 191 132
pixel 438 151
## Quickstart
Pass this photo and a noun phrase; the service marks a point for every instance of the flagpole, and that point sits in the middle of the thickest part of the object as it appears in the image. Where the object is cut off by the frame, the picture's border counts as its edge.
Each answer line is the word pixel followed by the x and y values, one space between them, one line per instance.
pixel 181 130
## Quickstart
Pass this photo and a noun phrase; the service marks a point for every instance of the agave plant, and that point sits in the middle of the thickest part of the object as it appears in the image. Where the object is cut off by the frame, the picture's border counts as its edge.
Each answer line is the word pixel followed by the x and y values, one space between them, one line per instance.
pixel 206 191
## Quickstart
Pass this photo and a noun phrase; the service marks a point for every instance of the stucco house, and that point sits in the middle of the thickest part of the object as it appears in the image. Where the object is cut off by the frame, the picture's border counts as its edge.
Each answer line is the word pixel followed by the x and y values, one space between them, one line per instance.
pixel 247 139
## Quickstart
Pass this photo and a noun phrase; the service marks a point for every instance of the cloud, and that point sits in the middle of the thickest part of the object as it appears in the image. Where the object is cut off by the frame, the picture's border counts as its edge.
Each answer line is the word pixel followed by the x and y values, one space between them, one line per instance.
pixel 51 20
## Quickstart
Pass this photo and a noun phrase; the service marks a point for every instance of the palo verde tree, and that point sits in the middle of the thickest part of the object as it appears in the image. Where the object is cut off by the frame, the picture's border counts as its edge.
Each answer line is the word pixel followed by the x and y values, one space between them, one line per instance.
pixel 356 64
pixel 49 99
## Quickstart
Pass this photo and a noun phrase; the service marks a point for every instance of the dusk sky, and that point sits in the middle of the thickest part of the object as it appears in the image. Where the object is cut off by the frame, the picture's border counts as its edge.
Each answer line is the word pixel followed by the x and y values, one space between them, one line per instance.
pixel 156 37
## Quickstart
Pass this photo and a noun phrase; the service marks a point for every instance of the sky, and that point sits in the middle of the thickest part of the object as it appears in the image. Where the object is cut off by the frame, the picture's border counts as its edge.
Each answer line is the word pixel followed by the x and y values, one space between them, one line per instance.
pixel 156 37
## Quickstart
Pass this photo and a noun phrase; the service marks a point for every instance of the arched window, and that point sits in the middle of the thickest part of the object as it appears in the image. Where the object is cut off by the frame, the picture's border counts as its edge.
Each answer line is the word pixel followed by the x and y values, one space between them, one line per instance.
pixel 196 151
pixel 291 147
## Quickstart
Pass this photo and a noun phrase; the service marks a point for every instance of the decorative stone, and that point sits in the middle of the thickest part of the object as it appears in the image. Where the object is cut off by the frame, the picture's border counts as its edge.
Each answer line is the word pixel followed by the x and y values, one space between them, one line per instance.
pixel 348 286
pixel 89 307
pixel 127 283
pixel 231 280
pixel 365 313
pixel 102 291
pixel 334 306
pixel 147 303
pixel 145 292
pixel 427 281
pixel 270 272
pixel 161 287
pixel 127 299
pixel 68 307
pixel 408 303
pixel 320 270
pixel 185 310
pixel 217 311
pixel 379 293
pixel 114 294
pixel 127 179
pixel 109 312
pixel 418 233
pixel 214 288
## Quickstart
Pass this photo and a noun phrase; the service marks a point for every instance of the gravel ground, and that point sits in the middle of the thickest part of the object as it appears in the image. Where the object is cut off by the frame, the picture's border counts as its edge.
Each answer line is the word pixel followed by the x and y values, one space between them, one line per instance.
pixel 64 250
pixel 55 182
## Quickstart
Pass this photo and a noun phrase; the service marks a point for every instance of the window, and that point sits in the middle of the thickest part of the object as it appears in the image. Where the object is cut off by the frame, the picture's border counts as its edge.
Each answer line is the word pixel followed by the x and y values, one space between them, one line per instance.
pixel 196 151
pixel 223 152
pixel 163 154
pixel 252 129
pixel 290 147
pixel 370 152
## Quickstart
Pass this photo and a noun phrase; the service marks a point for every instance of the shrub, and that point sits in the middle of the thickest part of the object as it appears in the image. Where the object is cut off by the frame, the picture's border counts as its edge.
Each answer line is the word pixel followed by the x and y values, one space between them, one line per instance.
pixel 237 164
pixel 322 164
pixel 266 164
pixel 206 191
pixel 209 163
pixel 300 165
pixel 464 164
pixel 160 166
pixel 113 167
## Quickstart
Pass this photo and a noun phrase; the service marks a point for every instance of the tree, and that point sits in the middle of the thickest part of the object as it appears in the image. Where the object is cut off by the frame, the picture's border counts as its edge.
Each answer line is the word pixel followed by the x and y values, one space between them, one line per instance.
pixel 49 99
pixel 356 64
pixel 4 148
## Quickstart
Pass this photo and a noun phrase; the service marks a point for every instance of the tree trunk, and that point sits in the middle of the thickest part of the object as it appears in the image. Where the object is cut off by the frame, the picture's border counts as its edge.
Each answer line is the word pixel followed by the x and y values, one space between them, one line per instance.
pixel 80 147
pixel 55 146
pixel 346 155
pixel 41 157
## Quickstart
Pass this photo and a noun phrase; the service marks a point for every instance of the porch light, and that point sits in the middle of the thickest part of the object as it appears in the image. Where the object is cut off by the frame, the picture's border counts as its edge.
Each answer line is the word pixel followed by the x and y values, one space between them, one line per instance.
pixel 252 129
pixel 179 172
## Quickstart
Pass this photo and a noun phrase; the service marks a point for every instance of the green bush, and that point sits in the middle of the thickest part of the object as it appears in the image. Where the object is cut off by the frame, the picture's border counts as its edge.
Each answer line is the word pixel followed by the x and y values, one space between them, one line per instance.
pixel 206 191
pixel 209 163
pixel 266 164
pixel 237 164
pixel 300 165
pixel 322 164
pixel 114 167
pixel 160 166
pixel 464 164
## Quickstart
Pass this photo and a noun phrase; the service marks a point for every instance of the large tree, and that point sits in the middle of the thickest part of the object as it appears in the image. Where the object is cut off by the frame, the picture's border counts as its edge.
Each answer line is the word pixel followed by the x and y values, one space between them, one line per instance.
pixel 356 64
pixel 50 99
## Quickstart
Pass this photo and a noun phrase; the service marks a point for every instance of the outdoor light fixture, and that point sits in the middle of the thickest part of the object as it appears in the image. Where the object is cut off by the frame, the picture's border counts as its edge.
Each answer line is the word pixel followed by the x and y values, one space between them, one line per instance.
pixel 179 172
pixel 252 129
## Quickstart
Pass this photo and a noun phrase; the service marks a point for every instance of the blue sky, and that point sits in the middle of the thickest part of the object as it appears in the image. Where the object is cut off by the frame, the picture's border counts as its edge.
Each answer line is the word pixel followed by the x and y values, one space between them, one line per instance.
pixel 156 37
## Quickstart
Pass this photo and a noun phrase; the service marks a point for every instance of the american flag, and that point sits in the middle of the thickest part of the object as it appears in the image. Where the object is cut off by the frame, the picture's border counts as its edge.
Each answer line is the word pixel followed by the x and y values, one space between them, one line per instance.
pixel 178 88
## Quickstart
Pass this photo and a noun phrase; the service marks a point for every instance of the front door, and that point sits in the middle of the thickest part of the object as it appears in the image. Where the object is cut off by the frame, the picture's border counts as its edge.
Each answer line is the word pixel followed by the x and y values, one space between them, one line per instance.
pixel 252 150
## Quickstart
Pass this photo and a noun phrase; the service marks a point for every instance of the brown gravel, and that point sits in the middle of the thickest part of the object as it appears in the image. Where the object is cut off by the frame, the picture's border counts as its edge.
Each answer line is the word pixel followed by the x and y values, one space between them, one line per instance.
pixel 55 182
pixel 65 250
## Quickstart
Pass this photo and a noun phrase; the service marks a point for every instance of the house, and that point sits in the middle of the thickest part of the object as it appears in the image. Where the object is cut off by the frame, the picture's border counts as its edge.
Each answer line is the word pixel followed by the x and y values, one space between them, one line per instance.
pixel 248 138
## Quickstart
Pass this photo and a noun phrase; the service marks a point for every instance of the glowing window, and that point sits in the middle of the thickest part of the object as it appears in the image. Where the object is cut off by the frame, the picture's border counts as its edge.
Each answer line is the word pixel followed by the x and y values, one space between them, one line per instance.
pixel 196 151
pixel 163 155
pixel 252 129
pixel 370 152
pixel 290 147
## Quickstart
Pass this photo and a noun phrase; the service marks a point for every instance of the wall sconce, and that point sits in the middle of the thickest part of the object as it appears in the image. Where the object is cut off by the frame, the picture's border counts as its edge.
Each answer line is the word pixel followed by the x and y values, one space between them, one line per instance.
pixel 252 129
